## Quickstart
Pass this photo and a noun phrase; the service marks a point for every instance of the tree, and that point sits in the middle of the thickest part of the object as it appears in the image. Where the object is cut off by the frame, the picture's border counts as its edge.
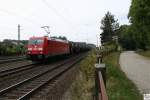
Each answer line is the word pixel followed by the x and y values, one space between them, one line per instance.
pixel 109 27
pixel 126 37
pixel 139 16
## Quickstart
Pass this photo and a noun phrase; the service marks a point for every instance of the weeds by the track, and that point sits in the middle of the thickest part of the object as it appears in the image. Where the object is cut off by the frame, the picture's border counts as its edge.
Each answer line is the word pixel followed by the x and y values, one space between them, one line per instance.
pixel 119 87
pixel 83 87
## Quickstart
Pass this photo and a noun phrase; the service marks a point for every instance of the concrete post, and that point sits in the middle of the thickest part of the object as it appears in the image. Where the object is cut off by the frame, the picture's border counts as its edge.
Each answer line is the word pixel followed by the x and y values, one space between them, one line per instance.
pixel 101 68
pixel 99 59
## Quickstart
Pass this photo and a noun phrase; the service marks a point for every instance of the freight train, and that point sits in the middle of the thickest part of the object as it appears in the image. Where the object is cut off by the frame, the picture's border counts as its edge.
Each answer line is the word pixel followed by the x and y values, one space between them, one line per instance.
pixel 44 47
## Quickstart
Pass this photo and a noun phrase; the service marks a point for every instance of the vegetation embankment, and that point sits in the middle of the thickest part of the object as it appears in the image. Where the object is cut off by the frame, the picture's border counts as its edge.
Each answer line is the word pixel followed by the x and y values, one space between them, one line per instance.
pixel 11 47
pixel 119 87
pixel 133 36
pixel 144 53
pixel 84 86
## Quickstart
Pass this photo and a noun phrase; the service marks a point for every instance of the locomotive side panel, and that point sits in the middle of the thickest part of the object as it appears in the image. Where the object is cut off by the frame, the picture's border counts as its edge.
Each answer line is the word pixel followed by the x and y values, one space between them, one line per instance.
pixel 44 47
pixel 57 47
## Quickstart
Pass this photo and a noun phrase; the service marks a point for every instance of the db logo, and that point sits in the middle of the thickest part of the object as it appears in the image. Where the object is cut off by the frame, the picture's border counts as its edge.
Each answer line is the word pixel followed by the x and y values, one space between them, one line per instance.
pixel 35 48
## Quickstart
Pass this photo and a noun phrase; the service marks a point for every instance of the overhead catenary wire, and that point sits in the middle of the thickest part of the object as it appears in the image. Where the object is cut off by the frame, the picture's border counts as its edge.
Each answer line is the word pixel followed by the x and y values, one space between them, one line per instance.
pixel 57 13
pixel 70 25
pixel 21 17
pixel 35 22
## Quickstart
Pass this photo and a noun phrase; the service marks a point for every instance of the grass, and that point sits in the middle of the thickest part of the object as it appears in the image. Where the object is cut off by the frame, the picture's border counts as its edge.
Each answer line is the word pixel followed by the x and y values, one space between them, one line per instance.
pixel 84 85
pixel 119 87
pixel 144 53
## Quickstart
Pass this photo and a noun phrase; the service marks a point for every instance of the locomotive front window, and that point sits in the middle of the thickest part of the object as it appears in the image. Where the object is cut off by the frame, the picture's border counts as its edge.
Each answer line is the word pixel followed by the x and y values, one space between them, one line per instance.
pixel 36 41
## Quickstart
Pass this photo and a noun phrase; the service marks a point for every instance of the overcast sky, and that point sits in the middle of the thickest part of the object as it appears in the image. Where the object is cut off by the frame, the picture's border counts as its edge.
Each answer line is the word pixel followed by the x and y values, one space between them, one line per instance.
pixel 78 20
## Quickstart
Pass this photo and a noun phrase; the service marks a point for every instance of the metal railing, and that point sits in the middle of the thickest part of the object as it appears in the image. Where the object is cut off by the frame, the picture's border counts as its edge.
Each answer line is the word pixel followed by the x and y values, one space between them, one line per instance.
pixel 100 79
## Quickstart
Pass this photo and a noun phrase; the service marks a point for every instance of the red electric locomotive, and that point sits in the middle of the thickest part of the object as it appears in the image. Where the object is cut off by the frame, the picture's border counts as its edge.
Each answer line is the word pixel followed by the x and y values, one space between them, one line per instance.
pixel 44 47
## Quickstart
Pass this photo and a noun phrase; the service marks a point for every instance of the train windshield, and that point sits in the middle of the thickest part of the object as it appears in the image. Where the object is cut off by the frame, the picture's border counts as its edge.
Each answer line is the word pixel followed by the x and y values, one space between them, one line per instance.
pixel 36 41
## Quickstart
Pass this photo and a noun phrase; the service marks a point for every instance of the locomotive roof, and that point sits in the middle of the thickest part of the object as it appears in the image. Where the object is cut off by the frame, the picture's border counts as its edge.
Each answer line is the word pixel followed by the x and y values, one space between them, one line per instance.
pixel 66 41
pixel 49 38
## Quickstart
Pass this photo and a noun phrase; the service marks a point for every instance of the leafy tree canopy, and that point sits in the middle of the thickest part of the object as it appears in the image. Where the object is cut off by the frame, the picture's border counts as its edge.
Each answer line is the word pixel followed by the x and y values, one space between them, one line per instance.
pixel 108 26
pixel 139 16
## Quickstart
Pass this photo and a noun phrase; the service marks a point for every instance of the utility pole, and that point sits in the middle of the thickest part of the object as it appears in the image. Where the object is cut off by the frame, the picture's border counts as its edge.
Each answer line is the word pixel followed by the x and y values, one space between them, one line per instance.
pixel 97 39
pixel 87 38
pixel 18 34
pixel 46 28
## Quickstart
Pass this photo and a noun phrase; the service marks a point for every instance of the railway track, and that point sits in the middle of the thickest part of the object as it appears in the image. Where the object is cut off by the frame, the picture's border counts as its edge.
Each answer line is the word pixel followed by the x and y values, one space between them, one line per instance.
pixel 2 61
pixel 10 57
pixel 15 70
pixel 15 75
pixel 27 87
pixel 10 71
pixel 13 65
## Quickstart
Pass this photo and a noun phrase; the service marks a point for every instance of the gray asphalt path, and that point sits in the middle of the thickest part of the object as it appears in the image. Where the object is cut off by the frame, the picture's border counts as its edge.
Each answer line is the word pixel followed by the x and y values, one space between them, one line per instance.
pixel 137 68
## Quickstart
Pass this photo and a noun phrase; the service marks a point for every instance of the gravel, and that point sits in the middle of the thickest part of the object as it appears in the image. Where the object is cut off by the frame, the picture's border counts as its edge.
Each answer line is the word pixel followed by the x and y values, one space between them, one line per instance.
pixel 137 68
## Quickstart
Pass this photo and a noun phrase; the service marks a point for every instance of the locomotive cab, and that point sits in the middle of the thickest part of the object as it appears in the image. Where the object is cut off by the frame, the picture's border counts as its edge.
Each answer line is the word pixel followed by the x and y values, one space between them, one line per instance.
pixel 35 49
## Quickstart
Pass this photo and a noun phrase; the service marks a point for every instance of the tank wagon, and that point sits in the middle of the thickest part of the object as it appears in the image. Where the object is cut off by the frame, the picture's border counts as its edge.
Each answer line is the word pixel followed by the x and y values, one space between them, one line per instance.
pixel 45 47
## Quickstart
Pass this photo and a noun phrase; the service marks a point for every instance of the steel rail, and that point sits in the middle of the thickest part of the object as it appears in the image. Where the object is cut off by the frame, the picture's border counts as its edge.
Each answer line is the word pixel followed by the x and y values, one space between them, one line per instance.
pixel 2 91
pixel 30 79
pixel 11 60
pixel 16 75
pixel 10 57
pixel 26 96
pixel 17 69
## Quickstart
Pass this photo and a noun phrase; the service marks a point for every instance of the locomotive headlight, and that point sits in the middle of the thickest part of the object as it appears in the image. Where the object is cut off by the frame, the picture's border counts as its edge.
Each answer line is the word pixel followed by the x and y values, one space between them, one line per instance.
pixel 40 49
pixel 29 49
